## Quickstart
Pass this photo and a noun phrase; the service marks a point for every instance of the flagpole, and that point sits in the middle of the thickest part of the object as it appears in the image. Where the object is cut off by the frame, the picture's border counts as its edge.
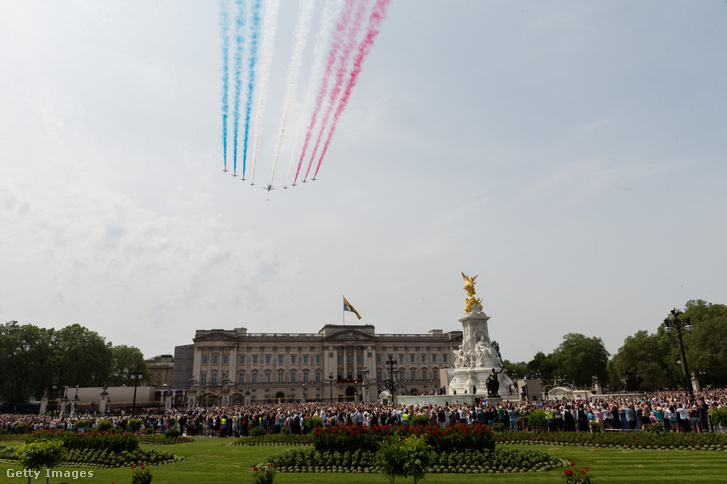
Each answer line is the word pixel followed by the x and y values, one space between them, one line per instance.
pixel 343 312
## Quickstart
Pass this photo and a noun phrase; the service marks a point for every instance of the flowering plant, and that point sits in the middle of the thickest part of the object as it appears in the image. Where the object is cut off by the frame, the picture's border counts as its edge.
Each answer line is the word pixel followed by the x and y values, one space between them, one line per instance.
pixel 572 475
pixel 140 474
pixel 263 474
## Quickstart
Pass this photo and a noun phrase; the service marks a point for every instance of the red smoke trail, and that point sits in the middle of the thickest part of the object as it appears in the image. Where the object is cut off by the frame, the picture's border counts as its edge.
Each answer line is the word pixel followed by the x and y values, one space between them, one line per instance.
pixel 340 74
pixel 337 41
pixel 377 16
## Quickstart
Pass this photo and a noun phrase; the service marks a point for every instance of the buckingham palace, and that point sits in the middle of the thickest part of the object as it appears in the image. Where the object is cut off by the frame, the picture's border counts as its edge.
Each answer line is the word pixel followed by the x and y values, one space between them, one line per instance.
pixel 338 363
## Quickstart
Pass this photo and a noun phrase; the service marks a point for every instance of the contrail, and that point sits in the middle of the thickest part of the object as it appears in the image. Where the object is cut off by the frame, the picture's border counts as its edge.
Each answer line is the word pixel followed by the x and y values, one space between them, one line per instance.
pixel 340 73
pixel 239 46
pixel 300 38
pixel 328 18
pixel 224 32
pixel 377 16
pixel 270 27
pixel 252 59
pixel 338 37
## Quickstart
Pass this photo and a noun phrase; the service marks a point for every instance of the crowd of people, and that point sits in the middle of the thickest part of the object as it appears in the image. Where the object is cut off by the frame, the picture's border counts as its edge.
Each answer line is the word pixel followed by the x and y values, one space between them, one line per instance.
pixel 609 412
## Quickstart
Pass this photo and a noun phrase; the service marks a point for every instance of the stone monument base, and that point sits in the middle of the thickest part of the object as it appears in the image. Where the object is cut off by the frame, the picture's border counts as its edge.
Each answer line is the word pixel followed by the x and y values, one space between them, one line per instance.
pixel 464 380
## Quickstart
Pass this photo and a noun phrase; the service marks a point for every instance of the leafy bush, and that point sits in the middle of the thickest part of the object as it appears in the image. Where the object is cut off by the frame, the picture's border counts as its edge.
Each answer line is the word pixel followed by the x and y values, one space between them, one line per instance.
pixel 258 432
pixel 149 431
pixel 416 420
pixel 313 421
pixel 537 419
pixel 104 425
pixel 657 427
pixel 43 454
pixel 263 474
pixel 595 427
pixel 171 433
pixel 82 424
pixel 140 474
pixel 719 417
pixel 112 441
pixel 498 427
pixel 404 457
pixel 21 428
pixel 134 425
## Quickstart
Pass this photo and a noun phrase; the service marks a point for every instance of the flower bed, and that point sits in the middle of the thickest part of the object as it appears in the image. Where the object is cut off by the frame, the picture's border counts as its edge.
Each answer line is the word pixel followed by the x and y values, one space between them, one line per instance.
pixel 101 459
pixel 449 439
pixel 471 461
pixel 625 440
pixel 112 441
pixel 275 439
pixel 162 440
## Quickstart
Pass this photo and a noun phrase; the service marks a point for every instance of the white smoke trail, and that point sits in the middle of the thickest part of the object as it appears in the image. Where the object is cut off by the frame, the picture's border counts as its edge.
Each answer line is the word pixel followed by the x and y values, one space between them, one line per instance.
pixel 300 38
pixel 328 19
pixel 270 27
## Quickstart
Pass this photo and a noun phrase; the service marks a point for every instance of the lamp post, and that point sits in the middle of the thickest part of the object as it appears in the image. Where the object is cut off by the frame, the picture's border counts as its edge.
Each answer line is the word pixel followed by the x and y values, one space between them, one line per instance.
pixel 391 367
pixel 330 380
pixel 135 375
pixel 678 324
pixel 304 395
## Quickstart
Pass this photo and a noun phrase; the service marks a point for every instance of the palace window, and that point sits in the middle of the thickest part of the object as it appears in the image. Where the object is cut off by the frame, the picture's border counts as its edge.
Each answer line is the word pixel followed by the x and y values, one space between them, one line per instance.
pixel 424 358
pixel 214 360
pixel 413 375
pixel 434 358
pixel 280 377
pixel 267 359
pixel 292 377
pixel 254 359
pixel 318 359
pixel 292 359
pixel 214 378
pixel 305 376
pixel 204 379
pixel 378 376
pixel 411 359
pixel 444 358
pixel 280 359
pixel 305 359
pixel 242 360
pixel 318 376
pixel 267 377
pixel 224 360
pixel 204 360
pixel 241 378
pixel 254 377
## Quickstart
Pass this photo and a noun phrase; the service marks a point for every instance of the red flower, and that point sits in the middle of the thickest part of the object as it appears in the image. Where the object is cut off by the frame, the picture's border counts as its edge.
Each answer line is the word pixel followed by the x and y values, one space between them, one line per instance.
pixel 572 464
pixel 142 467
pixel 254 468
pixel 583 472
pixel 568 472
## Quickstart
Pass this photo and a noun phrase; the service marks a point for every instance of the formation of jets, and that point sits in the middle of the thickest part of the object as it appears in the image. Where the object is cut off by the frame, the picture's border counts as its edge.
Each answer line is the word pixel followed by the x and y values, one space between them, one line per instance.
pixel 269 187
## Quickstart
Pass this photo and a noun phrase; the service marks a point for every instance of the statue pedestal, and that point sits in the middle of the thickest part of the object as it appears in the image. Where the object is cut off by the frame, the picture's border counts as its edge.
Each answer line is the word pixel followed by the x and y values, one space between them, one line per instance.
pixel 476 359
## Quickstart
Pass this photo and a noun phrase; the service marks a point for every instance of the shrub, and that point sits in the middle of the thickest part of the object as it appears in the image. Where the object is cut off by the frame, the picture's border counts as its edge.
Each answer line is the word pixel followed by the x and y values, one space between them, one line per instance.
pixel 44 454
pixel 133 425
pixel 595 427
pixel 21 428
pixel 498 427
pixel 258 432
pixel 404 457
pixel 149 431
pixel 719 417
pixel 537 419
pixel 416 420
pixel 171 433
pixel 104 425
pixel 657 427
pixel 313 421
pixel 140 474
pixel 82 424
pixel 263 474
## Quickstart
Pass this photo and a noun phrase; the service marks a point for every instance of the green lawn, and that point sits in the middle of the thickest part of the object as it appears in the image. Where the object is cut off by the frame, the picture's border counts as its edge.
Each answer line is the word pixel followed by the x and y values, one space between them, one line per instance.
pixel 213 461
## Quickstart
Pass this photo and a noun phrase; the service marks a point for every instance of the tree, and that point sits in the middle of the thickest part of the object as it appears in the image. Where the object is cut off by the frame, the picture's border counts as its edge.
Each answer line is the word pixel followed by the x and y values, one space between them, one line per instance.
pixel 543 365
pixel 125 360
pixel 25 355
pixel 515 370
pixel 645 355
pixel 580 358
pixel 83 357
pixel 40 455
pixel 705 347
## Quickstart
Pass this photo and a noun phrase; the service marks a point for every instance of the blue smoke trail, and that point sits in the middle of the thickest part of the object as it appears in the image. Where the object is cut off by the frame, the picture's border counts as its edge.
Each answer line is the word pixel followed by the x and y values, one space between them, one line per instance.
pixel 224 29
pixel 254 34
pixel 239 43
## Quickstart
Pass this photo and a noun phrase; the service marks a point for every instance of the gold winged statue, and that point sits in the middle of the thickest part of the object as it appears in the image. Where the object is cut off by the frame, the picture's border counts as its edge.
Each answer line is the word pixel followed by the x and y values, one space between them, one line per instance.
pixel 469 286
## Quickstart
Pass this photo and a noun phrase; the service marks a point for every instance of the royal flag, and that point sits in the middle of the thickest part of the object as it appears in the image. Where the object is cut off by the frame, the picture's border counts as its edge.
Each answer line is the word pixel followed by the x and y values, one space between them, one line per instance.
pixel 347 307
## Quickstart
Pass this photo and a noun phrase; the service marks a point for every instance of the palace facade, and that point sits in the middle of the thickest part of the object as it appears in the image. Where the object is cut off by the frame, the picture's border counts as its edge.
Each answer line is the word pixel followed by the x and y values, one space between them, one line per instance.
pixel 338 363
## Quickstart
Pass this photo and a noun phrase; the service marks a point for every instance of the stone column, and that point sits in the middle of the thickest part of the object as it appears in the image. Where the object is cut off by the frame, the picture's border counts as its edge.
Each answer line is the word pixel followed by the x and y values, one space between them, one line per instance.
pixel 695 383
pixel 102 401
pixel 44 403
pixel 344 349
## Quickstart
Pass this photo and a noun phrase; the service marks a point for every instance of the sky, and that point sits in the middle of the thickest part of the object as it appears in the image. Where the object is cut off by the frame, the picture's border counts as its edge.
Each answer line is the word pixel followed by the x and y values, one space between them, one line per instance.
pixel 571 154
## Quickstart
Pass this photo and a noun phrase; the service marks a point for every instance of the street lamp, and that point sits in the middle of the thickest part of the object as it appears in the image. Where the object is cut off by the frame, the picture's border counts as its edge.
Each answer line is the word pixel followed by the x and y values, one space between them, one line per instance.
pixel 135 375
pixel 678 324
pixel 391 367
pixel 330 380
pixel 304 395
